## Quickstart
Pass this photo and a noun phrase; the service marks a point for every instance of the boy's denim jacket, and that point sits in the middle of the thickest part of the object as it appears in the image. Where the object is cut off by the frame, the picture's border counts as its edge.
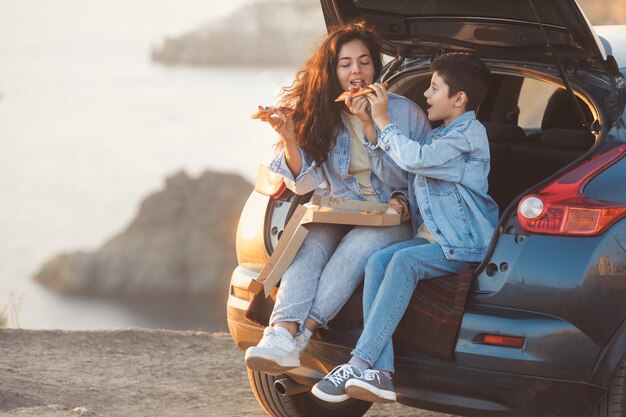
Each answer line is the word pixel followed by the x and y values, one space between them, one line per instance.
pixel 332 177
pixel 449 170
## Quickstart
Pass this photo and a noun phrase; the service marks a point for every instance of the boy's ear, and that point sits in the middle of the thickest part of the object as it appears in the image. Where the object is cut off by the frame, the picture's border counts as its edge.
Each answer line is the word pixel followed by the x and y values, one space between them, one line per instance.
pixel 461 99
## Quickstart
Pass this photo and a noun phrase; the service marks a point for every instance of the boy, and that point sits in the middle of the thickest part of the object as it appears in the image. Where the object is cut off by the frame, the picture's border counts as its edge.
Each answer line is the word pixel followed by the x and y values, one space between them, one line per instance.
pixel 452 216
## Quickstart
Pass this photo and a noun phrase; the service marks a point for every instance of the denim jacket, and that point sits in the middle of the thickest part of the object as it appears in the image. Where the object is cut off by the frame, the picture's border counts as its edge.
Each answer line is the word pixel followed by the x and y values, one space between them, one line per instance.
pixel 332 177
pixel 449 169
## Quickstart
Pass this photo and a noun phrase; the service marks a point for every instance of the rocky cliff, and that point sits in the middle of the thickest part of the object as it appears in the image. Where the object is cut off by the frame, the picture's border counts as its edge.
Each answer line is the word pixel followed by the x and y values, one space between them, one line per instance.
pixel 181 243
pixel 267 33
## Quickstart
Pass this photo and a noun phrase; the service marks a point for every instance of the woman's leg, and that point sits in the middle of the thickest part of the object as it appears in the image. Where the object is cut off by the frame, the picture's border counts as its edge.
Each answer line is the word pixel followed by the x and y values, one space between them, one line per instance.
pixel 299 283
pixel 344 271
pixel 279 350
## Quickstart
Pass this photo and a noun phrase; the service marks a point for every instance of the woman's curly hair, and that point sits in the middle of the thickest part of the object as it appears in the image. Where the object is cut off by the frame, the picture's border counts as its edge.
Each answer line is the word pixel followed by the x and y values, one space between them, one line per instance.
pixel 317 117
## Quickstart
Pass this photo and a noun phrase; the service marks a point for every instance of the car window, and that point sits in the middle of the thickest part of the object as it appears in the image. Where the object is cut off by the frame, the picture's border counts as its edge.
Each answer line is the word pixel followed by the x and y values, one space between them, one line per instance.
pixel 533 99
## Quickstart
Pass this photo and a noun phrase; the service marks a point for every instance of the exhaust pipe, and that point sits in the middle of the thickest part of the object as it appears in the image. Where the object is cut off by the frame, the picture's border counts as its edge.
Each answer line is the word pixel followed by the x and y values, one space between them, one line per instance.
pixel 287 387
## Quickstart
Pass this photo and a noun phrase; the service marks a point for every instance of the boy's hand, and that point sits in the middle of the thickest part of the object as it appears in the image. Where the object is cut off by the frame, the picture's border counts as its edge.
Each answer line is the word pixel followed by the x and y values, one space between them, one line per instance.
pixel 401 207
pixel 379 104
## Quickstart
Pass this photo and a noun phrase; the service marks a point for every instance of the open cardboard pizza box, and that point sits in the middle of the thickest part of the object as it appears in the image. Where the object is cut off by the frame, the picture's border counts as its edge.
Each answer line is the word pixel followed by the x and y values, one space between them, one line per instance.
pixel 319 210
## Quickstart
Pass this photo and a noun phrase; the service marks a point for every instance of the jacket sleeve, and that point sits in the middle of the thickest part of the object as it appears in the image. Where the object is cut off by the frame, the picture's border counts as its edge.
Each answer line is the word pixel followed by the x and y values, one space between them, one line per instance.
pixel 309 178
pixel 416 126
pixel 440 159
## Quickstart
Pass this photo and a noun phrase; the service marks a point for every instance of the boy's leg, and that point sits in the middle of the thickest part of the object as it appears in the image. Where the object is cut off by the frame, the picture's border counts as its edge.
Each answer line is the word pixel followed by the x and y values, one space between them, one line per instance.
pixel 278 350
pixel 374 275
pixel 344 271
pixel 406 268
pixel 332 387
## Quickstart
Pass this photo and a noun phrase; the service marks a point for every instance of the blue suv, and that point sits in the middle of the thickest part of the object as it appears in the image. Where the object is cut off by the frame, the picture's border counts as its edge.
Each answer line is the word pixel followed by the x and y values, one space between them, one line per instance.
pixel 542 329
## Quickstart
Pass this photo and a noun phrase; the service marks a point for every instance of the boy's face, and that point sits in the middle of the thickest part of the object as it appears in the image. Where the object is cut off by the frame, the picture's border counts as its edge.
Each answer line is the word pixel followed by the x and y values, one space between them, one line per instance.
pixel 440 105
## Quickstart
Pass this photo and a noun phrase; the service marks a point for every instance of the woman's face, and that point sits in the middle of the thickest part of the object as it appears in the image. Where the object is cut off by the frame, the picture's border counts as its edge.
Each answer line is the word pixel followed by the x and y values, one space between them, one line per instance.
pixel 355 66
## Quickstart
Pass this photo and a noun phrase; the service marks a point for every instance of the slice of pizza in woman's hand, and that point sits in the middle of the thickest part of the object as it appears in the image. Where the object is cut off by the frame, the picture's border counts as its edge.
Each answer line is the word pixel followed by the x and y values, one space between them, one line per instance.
pixel 265 112
pixel 357 91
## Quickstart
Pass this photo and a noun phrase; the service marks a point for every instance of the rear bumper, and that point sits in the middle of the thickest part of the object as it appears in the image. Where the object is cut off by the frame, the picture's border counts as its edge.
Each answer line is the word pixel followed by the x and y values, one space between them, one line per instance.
pixel 445 387
pixel 430 384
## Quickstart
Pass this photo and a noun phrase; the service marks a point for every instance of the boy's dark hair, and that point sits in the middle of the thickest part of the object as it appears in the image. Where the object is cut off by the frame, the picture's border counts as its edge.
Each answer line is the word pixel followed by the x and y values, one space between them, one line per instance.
pixel 463 72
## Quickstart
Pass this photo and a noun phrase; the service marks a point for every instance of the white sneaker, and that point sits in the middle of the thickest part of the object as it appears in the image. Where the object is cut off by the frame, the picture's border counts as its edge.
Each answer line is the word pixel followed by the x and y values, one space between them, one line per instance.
pixel 301 342
pixel 275 353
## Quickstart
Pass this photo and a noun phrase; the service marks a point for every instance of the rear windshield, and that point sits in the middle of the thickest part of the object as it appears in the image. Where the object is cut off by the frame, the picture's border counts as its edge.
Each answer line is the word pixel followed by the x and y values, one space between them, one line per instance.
pixel 497 9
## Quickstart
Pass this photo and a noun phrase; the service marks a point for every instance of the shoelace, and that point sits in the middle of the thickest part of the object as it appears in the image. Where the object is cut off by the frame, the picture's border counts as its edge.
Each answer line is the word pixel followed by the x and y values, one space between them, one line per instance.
pixel 341 373
pixel 371 374
pixel 272 339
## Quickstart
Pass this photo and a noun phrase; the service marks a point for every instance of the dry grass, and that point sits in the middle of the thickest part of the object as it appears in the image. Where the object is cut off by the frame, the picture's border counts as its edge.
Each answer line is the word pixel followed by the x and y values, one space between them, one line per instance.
pixel 9 314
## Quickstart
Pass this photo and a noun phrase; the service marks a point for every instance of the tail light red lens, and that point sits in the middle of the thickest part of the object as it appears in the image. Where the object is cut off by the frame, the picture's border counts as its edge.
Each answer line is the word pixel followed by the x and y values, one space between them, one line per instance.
pixel 269 183
pixel 561 208
pixel 506 341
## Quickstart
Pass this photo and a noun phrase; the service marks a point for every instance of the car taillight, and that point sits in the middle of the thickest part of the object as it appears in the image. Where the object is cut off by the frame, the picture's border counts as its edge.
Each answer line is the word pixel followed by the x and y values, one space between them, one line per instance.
pixel 506 341
pixel 561 208
pixel 269 183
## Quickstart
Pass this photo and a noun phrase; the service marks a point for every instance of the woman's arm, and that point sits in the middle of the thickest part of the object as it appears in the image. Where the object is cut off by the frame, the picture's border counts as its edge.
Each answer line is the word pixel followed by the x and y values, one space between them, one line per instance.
pixel 306 180
pixel 284 128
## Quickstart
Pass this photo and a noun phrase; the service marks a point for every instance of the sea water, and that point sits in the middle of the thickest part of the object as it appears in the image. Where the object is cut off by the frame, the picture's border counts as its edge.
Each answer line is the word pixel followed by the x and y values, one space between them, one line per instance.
pixel 89 126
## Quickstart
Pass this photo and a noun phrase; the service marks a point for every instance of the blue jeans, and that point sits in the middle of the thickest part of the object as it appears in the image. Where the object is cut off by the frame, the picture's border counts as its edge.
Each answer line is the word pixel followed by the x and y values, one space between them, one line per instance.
pixel 391 276
pixel 328 268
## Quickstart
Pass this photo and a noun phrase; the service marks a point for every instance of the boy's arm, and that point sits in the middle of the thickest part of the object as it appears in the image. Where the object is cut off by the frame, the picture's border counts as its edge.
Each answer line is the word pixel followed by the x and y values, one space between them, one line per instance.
pixel 432 160
pixel 413 121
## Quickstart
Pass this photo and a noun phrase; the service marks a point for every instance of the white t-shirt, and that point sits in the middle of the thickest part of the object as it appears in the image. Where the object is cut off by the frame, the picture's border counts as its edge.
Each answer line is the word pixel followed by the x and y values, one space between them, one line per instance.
pixel 359 166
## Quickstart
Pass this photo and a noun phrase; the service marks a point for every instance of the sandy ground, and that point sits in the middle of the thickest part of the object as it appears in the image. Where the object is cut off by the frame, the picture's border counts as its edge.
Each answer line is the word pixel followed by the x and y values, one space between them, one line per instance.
pixel 131 373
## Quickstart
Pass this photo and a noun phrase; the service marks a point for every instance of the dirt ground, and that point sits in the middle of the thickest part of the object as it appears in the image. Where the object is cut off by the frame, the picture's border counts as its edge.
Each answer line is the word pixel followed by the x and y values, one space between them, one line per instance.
pixel 131 373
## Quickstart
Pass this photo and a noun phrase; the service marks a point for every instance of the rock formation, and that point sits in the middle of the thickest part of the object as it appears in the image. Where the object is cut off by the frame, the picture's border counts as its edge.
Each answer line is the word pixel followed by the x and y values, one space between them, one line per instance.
pixel 267 33
pixel 181 243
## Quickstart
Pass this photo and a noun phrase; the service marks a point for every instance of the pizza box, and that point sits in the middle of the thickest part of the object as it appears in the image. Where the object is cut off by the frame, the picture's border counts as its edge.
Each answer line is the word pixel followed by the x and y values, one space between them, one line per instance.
pixel 320 209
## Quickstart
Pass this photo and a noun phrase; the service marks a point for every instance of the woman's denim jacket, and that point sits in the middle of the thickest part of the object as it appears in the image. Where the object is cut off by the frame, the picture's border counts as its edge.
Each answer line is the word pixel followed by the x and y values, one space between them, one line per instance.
pixel 332 177
pixel 449 170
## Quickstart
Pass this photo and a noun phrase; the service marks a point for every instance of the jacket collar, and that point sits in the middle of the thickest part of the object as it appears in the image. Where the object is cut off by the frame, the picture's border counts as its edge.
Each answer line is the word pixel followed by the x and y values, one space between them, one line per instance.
pixel 462 120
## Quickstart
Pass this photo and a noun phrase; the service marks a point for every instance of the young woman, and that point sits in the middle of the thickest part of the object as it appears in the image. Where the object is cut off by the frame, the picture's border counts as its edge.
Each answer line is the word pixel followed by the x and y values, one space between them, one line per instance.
pixel 322 149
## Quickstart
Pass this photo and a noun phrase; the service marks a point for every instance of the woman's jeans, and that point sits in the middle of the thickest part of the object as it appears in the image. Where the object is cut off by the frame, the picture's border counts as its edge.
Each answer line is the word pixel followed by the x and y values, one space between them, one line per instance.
pixel 391 276
pixel 328 268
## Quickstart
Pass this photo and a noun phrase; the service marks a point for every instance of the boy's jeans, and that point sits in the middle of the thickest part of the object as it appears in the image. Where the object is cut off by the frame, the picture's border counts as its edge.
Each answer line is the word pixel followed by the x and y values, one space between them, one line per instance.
pixel 328 268
pixel 391 276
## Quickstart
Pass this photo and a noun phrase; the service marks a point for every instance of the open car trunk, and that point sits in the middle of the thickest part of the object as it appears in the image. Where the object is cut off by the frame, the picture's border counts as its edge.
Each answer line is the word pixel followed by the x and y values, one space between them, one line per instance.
pixel 533 133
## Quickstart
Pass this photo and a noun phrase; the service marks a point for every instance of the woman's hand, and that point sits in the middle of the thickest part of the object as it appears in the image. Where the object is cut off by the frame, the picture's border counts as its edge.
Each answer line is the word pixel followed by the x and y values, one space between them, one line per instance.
pixel 401 207
pixel 360 107
pixel 284 128
pixel 379 105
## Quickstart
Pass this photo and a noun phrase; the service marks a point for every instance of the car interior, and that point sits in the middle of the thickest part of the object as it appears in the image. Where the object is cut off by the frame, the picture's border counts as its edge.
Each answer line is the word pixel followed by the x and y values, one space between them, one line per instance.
pixel 532 126
pixel 533 132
